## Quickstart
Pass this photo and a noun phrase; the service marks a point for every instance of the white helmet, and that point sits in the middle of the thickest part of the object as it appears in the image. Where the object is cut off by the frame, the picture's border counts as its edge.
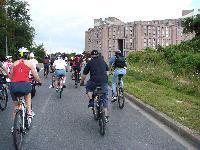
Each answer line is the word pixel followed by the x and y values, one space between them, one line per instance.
pixel 32 55
pixel 23 49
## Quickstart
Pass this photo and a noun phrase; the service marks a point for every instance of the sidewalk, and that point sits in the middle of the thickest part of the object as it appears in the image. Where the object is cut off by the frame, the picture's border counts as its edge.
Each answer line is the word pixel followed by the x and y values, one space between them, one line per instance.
pixel 181 130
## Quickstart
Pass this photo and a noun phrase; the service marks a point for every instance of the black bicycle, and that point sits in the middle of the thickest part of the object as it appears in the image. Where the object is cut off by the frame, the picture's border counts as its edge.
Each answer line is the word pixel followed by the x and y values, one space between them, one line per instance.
pixel 60 86
pixel 3 93
pixel 120 92
pixel 46 71
pixel 98 110
pixel 76 77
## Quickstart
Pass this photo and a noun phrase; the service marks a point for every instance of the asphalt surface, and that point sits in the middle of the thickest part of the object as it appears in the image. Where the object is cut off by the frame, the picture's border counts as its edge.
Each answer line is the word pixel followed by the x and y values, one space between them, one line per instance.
pixel 67 124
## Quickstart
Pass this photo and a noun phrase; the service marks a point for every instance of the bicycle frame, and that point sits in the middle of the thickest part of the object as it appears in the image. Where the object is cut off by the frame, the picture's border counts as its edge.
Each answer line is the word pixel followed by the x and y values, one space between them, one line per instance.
pixel 99 114
pixel 22 107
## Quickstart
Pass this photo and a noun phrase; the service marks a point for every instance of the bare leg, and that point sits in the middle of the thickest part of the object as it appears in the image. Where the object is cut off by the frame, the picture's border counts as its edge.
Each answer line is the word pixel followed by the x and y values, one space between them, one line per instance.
pixel 89 94
pixel 28 102
pixel 106 111
pixel 15 107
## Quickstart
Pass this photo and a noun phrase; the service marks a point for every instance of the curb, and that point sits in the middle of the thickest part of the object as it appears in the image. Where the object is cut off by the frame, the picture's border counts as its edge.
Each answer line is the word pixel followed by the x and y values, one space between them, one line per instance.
pixel 181 130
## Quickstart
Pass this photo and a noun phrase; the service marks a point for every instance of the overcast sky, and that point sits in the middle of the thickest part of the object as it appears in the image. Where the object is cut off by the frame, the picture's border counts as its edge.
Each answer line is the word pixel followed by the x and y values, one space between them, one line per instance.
pixel 61 24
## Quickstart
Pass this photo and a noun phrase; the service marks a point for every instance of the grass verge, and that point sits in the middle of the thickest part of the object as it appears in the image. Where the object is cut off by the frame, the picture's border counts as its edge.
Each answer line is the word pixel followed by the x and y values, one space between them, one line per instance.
pixel 159 90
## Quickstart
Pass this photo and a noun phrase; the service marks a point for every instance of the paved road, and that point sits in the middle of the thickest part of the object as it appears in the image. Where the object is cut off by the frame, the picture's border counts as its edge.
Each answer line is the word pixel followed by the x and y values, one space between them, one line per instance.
pixel 67 124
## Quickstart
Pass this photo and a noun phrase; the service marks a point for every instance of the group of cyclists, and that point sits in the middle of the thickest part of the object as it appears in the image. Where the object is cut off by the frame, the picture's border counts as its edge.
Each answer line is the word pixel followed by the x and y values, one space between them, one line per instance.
pixel 20 70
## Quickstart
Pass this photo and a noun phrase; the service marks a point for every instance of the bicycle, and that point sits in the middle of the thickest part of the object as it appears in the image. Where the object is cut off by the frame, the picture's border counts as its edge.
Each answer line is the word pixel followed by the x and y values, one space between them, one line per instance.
pixel 98 110
pixel 60 86
pixel 3 93
pixel 46 71
pixel 21 121
pixel 77 77
pixel 120 92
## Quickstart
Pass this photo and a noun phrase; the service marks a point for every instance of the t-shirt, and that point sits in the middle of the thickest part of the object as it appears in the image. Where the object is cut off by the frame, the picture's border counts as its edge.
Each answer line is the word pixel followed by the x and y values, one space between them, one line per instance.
pixel 97 68
pixel 34 62
pixel 59 64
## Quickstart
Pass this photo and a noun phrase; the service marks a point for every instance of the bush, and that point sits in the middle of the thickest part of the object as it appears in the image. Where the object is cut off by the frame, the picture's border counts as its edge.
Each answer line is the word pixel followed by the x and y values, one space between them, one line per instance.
pixel 135 57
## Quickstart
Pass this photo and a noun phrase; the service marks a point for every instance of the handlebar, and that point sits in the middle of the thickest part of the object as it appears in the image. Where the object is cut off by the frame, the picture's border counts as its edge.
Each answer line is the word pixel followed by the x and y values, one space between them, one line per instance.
pixel 37 83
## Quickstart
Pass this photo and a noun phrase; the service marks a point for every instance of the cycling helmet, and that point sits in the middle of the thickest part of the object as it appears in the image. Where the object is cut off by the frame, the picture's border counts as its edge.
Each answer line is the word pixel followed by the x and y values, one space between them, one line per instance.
pixel 23 53
pixel 95 53
pixel 32 55
pixel 118 51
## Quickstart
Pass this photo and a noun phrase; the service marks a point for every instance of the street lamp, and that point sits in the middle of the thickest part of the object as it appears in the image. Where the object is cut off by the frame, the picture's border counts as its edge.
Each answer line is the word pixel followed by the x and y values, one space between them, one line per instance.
pixel 6 31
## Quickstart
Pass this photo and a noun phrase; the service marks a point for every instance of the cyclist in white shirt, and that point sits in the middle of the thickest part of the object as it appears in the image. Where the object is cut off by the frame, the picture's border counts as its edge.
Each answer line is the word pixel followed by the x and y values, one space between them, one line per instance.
pixel 33 61
pixel 60 69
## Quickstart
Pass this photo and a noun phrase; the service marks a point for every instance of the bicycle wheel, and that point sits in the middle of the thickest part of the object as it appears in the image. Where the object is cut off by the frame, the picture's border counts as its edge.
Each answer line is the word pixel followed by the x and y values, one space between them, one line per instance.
pixel 18 130
pixel 95 112
pixel 102 122
pixel 121 98
pixel 60 94
pixel 52 81
pixel 3 99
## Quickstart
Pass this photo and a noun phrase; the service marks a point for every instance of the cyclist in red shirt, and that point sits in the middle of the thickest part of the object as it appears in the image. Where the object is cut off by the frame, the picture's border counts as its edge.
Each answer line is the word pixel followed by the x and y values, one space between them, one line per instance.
pixel 20 82
pixel 77 64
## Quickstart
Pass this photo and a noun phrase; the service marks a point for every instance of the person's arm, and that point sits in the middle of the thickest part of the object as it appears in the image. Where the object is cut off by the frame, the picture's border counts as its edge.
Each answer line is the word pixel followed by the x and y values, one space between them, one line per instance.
pixel 107 69
pixel 85 72
pixel 5 70
pixel 111 62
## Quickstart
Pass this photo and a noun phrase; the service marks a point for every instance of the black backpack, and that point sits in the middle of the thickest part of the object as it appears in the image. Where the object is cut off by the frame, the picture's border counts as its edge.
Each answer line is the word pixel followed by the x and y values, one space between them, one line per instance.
pixel 120 62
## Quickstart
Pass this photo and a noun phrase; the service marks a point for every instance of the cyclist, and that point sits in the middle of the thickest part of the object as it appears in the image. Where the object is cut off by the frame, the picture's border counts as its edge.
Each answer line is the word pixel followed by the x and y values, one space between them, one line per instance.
pixel 60 70
pixel 46 65
pixel 3 72
pixel 71 61
pixel 98 70
pixel 8 63
pixel 33 61
pixel 77 64
pixel 119 63
pixel 20 82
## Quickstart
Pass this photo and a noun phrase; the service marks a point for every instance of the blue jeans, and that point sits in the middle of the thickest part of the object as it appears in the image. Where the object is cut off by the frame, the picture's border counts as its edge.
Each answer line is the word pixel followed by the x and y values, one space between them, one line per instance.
pixel 115 79
pixel 60 72
pixel 90 87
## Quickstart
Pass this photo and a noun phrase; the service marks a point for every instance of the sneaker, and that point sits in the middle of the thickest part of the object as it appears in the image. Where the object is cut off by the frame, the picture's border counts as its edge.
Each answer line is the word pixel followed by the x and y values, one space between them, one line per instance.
pixel 12 129
pixel 114 99
pixel 33 114
pixel 30 116
pixel 91 104
pixel 106 119
pixel 64 86
pixel 57 89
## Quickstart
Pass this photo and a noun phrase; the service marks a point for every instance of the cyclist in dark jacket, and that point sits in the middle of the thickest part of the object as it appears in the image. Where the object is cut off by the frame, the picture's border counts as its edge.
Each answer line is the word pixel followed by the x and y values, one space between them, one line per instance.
pixel 98 70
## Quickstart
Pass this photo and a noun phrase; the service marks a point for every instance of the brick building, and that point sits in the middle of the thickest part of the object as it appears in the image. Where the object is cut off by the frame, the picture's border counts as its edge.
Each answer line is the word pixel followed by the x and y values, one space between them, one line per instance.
pixel 112 34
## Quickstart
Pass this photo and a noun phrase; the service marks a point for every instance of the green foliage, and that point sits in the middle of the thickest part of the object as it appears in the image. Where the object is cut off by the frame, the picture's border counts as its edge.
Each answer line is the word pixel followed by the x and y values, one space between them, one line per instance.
pixel 135 57
pixel 15 24
pixel 39 52
pixel 192 24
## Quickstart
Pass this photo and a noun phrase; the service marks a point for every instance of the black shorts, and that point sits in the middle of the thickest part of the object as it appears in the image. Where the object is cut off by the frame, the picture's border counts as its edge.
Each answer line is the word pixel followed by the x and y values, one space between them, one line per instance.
pixel 23 88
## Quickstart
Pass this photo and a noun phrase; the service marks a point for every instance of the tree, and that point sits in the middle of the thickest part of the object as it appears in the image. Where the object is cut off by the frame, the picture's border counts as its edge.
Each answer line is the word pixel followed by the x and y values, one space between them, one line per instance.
pixel 38 51
pixel 192 24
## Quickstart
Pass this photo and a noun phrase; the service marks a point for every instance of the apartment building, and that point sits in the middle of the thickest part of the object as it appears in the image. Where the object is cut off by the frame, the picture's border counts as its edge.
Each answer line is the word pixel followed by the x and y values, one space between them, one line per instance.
pixel 111 34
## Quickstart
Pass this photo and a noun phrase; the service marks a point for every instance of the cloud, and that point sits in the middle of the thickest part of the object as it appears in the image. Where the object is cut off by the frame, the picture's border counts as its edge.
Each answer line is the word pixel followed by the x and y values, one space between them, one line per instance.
pixel 61 24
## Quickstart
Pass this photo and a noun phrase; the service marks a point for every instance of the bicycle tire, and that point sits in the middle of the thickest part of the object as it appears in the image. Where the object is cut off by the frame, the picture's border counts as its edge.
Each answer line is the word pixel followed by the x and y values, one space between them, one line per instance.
pixel 95 112
pixel 18 130
pixel 121 98
pixel 4 99
pixel 60 93
pixel 102 122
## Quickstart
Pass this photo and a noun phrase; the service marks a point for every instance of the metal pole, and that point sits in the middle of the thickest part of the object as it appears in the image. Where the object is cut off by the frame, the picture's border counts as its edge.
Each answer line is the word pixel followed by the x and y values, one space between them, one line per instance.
pixel 6 46
pixel 6 32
